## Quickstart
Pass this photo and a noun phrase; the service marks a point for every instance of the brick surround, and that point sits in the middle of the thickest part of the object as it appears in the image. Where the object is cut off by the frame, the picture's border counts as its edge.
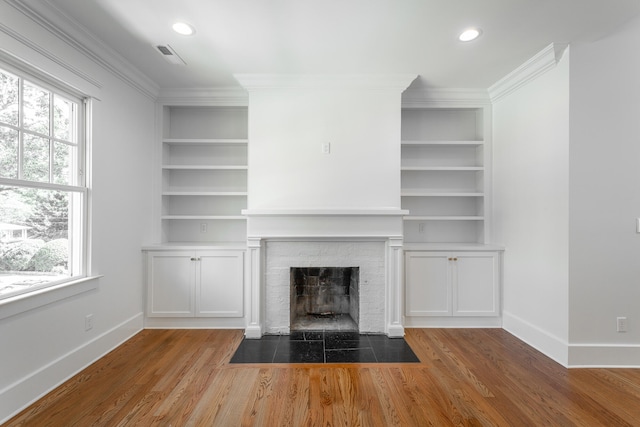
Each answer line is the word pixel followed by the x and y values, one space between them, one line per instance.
pixel 369 256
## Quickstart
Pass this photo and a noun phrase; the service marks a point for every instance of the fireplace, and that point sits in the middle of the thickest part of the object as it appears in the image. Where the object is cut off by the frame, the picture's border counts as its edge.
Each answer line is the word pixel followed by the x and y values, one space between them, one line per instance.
pixel 374 260
pixel 329 194
pixel 324 298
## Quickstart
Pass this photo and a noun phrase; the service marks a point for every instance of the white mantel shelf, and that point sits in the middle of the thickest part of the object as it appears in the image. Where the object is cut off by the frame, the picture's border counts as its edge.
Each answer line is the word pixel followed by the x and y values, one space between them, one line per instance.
pixel 324 223
pixel 324 212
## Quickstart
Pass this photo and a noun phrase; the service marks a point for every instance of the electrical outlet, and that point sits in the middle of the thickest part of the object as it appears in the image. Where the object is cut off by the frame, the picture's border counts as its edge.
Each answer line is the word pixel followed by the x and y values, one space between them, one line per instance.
pixel 421 227
pixel 88 322
pixel 622 324
pixel 203 227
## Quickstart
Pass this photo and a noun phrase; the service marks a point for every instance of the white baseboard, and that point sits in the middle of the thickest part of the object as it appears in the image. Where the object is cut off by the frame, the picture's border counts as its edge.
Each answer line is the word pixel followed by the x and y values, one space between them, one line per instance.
pixel 452 322
pixel 395 331
pixel 253 332
pixel 551 345
pixel 604 356
pixel 21 394
pixel 194 323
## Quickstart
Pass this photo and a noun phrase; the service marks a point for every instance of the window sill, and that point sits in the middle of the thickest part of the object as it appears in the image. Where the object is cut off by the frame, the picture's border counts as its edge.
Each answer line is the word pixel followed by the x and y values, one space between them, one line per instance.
pixel 41 297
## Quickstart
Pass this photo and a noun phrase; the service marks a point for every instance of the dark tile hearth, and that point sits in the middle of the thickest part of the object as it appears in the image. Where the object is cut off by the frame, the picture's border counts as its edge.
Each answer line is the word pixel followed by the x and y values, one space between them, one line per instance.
pixel 324 347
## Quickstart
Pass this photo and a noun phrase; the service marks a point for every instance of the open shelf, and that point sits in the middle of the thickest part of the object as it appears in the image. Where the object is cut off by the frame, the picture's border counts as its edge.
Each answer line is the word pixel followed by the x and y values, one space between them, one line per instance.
pixel 443 169
pixel 204 174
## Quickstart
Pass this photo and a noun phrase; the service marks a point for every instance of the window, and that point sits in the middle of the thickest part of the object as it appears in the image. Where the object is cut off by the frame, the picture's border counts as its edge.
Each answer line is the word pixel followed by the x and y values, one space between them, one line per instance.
pixel 43 194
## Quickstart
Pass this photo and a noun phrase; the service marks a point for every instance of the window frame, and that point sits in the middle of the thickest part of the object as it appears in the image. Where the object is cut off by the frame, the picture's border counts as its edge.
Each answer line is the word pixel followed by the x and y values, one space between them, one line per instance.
pixel 78 234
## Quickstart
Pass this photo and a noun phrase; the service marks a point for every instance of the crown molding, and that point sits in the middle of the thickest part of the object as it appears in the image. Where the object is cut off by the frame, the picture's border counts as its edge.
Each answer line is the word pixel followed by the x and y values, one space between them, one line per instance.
pixel 221 96
pixel 253 82
pixel 53 20
pixel 539 64
pixel 15 61
pixel 443 97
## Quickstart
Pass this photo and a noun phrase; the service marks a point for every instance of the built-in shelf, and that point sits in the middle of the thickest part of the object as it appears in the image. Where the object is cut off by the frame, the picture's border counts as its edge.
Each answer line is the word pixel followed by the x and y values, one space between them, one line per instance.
pixel 204 141
pixel 444 157
pixel 204 174
pixel 443 142
pixel 418 193
pixel 204 217
pixel 204 193
pixel 205 167
pixel 442 168
pixel 442 218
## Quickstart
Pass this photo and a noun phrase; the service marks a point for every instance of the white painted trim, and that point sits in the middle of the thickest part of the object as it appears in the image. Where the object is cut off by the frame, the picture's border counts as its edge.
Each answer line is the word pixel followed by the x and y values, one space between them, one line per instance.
pixel 221 96
pixel 48 295
pixel 552 346
pixel 194 323
pixel 539 64
pixel 53 20
pixel 445 97
pixel 47 54
pixel 325 212
pixel 452 322
pixel 24 392
pixel 395 288
pixel 253 82
pixel 604 356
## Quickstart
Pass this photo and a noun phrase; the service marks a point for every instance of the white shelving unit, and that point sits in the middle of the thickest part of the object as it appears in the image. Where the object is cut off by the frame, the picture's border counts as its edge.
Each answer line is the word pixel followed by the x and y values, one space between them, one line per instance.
pixel 452 271
pixel 204 175
pixel 444 169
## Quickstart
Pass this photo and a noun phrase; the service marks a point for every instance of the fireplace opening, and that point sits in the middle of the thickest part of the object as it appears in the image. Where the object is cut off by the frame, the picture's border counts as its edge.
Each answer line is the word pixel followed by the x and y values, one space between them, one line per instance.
pixel 324 298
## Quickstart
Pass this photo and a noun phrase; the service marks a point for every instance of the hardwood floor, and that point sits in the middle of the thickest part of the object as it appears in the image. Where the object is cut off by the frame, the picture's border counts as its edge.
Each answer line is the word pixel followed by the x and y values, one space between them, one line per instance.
pixel 467 377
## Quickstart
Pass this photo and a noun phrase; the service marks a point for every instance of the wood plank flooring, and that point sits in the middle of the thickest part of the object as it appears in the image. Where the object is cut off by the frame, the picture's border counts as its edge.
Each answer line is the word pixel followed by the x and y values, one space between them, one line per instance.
pixel 467 377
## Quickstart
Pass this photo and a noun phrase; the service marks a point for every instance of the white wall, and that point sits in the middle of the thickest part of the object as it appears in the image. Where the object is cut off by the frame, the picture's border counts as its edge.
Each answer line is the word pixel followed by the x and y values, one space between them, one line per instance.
pixel 531 209
pixel 605 199
pixel 44 346
pixel 287 167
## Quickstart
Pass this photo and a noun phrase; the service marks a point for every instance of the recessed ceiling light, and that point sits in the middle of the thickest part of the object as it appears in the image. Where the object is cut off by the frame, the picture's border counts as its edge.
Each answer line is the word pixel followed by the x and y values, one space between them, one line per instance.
pixel 183 28
pixel 468 35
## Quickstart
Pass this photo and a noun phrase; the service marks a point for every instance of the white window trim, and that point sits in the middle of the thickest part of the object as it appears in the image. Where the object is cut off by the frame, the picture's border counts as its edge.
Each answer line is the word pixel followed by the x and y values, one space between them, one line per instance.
pixel 44 296
pixel 76 285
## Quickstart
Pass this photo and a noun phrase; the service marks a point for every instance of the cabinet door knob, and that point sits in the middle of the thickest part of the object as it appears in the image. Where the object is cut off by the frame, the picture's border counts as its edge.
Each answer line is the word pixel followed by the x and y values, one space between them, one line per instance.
pixel 194 259
pixel 455 259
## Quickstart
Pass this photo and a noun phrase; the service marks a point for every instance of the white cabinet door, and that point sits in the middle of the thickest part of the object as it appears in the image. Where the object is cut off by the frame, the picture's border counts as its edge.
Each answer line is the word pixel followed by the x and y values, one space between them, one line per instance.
pixel 171 284
pixel 219 286
pixel 452 284
pixel 428 284
pixel 476 284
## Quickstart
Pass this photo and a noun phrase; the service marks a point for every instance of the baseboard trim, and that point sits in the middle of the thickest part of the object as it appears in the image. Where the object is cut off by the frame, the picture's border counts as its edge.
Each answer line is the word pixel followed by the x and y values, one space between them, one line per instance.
pixel 23 393
pixel 549 344
pixel 452 322
pixel 604 356
pixel 194 323
pixel 395 331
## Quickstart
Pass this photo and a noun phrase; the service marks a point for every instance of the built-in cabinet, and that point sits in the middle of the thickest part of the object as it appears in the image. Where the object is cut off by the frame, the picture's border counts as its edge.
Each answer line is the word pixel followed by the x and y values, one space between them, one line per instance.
pixel 451 270
pixel 452 283
pixel 205 283
pixel 197 268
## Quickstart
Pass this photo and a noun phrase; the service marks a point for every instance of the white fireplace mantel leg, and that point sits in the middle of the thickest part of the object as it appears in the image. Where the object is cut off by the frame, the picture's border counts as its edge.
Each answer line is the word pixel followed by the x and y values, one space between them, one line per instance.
pixel 254 281
pixel 395 328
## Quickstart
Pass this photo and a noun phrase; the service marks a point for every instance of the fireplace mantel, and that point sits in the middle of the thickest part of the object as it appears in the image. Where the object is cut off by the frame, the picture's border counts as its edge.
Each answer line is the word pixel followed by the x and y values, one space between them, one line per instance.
pixel 329 212
pixel 322 223
pixel 333 227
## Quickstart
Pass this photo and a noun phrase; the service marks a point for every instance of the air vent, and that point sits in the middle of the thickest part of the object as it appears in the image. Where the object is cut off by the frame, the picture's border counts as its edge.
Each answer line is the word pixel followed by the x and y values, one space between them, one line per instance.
pixel 169 54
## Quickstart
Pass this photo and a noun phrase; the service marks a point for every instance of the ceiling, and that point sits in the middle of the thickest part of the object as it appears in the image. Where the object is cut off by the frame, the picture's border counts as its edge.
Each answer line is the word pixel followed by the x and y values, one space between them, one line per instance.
pixel 342 36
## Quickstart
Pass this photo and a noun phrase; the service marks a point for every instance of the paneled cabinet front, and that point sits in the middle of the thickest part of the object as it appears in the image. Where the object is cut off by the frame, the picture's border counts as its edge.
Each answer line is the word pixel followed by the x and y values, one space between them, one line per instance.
pixel 204 283
pixel 452 284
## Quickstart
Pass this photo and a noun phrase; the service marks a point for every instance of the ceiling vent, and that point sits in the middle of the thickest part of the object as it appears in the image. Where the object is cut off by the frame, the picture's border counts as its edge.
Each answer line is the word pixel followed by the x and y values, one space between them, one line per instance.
pixel 169 54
